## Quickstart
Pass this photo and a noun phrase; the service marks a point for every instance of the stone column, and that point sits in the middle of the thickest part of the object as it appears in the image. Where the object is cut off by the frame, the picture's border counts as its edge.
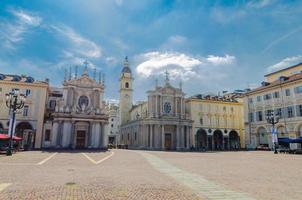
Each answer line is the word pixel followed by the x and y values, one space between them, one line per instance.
pixel 60 132
pixel 188 136
pixel 72 135
pixel 181 108
pixel 101 100
pixel 105 136
pixel 182 137
pixel 156 106
pixel 177 138
pixel 66 134
pixel 55 129
pixel 151 136
pixel 163 137
pixel 97 129
pixel 100 135
pixel 156 137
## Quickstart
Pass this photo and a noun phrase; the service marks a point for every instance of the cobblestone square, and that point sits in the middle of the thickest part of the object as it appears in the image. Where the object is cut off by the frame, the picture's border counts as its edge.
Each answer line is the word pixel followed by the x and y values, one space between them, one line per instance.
pixel 127 174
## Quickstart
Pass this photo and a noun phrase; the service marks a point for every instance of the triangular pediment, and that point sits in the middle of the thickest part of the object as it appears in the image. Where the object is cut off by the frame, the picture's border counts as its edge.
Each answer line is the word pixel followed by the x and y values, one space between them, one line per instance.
pixel 83 81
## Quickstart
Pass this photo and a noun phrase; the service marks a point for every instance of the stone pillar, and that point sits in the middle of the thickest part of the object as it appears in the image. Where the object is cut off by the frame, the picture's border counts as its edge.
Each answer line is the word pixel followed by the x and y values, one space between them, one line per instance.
pixel 163 137
pixel 161 104
pixel 151 136
pixel 72 135
pixel 97 129
pixel 92 135
pixel 101 100
pixel 60 132
pixel 156 137
pixel 177 138
pixel 105 136
pixel 66 134
pixel 55 129
pixel 156 106
pixel 188 136
pixel 100 135
pixel 181 108
pixel 182 137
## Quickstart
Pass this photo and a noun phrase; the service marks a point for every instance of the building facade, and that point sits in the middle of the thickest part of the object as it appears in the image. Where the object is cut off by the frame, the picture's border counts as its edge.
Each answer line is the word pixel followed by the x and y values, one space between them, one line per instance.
pixel 114 124
pixel 78 117
pixel 29 120
pixel 218 122
pixel 281 93
pixel 160 123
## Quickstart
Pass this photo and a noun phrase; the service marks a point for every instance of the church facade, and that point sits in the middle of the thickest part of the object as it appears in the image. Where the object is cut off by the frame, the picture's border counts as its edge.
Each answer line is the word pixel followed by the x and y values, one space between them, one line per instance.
pixel 160 123
pixel 77 117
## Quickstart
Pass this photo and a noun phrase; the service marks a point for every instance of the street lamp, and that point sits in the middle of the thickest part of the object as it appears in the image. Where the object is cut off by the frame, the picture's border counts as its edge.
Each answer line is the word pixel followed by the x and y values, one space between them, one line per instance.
pixel 14 102
pixel 273 119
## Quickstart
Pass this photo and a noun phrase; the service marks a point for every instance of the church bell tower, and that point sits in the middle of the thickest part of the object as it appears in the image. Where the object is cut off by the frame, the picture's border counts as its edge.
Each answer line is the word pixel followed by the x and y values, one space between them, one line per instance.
pixel 125 93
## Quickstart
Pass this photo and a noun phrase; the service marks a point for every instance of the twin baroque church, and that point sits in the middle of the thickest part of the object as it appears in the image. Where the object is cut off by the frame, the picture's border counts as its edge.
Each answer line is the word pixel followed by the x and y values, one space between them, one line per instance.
pixel 78 118
pixel 160 123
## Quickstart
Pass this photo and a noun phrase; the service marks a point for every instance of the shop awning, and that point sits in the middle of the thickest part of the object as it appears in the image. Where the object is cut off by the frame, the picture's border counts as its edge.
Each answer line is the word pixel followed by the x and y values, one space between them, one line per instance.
pixel 17 138
pixel 4 136
pixel 289 140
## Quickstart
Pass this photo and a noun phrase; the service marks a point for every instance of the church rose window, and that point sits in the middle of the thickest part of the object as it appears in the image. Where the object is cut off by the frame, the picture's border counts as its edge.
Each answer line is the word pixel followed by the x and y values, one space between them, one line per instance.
pixel 167 107
pixel 83 101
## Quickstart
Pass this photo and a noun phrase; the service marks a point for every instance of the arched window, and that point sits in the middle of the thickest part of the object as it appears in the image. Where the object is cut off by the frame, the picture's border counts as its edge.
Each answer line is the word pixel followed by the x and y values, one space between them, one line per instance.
pixel 83 102
pixel 127 85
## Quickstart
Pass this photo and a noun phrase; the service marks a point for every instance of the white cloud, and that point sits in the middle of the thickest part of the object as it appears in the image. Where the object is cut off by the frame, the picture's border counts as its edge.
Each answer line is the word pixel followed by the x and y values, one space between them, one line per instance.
pixel 217 60
pixel 181 65
pixel 14 32
pixel 287 62
pixel 78 44
pixel 259 3
pixel 174 41
pixel 68 59
pixel 111 60
pixel 27 17
pixel 280 39
pixel 225 16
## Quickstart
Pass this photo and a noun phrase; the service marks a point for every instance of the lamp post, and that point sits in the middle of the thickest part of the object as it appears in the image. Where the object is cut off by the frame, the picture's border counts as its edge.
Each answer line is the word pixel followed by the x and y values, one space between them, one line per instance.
pixel 273 119
pixel 14 102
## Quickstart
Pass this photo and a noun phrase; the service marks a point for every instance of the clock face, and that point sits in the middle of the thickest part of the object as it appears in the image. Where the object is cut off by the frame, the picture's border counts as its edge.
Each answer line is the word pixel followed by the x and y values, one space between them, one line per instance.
pixel 167 107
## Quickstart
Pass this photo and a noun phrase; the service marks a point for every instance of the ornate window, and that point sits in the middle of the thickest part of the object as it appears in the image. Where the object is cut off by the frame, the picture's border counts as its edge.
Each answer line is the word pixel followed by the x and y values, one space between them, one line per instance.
pixel 127 85
pixel 83 102
pixel 201 120
pixel 167 107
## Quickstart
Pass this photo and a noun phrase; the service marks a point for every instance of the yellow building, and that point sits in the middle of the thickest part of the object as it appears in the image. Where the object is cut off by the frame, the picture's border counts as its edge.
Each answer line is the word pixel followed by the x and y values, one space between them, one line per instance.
pixel 273 76
pixel 29 120
pixel 281 93
pixel 218 122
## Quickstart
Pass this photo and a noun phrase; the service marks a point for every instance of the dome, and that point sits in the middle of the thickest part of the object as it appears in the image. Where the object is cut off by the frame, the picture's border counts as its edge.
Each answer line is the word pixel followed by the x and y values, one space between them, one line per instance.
pixel 29 79
pixel 126 70
pixel 2 76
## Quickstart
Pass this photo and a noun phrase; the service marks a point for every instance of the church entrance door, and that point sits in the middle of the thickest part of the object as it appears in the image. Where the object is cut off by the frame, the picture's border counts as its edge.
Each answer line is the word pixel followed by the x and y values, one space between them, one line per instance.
pixel 168 141
pixel 81 139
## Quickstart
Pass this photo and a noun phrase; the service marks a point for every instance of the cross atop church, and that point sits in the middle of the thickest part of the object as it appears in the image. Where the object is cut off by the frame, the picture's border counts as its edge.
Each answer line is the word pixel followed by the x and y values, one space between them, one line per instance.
pixel 86 67
pixel 167 76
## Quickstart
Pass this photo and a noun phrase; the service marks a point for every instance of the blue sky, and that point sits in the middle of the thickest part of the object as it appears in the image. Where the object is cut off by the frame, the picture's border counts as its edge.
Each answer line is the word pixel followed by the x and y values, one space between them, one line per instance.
pixel 210 45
